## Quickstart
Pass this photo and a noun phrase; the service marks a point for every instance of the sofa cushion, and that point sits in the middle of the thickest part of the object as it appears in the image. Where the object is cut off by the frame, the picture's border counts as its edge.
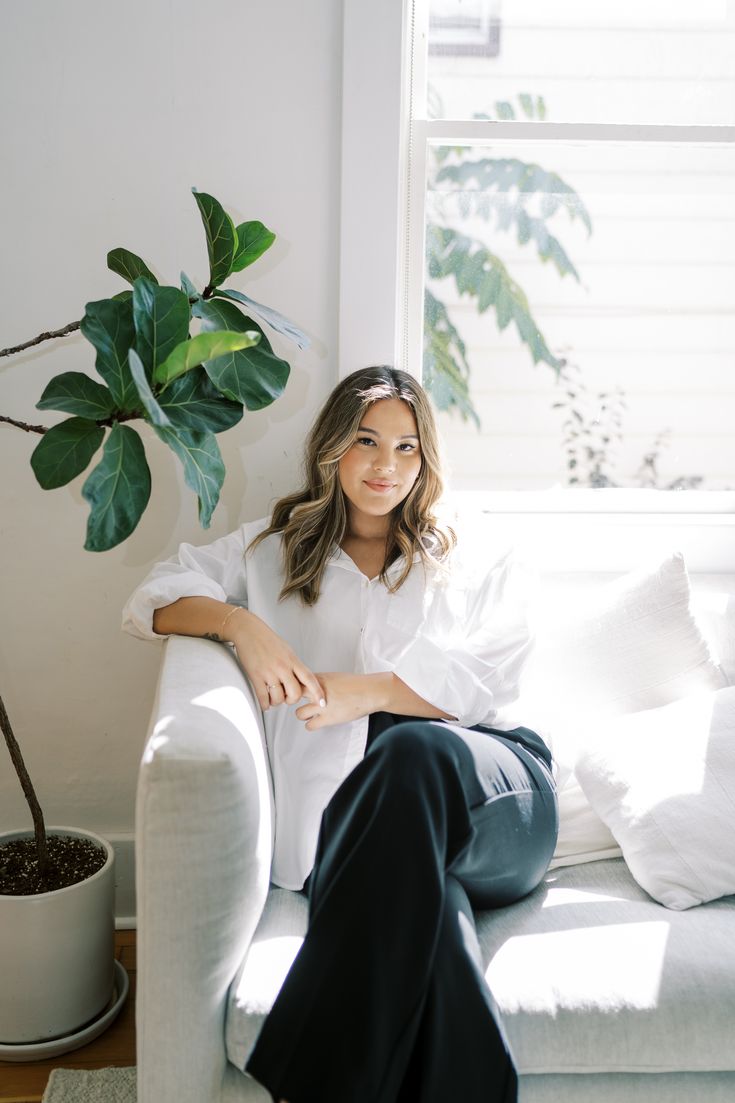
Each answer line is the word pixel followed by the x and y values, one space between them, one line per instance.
pixel 590 974
pixel 258 981
pixel 593 976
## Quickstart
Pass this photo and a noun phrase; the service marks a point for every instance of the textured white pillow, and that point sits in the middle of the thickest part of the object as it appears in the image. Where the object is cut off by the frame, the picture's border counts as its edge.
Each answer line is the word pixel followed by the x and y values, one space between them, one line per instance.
pixel 621 646
pixel 604 650
pixel 663 781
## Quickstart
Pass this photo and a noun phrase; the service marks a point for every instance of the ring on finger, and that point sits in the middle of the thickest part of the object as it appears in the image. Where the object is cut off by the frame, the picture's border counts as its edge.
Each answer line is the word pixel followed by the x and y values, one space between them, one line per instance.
pixel 272 685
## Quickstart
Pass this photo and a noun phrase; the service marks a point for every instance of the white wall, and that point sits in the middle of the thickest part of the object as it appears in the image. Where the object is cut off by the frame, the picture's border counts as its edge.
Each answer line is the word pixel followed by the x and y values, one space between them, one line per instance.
pixel 111 114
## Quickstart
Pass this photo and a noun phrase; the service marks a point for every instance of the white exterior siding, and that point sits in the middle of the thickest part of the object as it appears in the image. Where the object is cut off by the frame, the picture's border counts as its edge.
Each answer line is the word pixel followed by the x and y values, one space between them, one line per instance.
pixel 611 67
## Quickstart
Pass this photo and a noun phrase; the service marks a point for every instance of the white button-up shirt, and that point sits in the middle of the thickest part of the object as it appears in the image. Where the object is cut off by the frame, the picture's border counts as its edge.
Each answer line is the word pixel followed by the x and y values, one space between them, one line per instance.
pixel 457 637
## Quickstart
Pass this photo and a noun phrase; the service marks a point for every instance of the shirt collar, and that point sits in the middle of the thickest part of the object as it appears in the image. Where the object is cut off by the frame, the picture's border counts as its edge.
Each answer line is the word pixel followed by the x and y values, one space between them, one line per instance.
pixel 339 558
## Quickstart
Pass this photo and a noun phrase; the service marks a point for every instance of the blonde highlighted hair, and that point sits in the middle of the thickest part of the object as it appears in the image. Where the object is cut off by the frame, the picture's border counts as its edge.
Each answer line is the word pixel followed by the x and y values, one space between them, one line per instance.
pixel 313 521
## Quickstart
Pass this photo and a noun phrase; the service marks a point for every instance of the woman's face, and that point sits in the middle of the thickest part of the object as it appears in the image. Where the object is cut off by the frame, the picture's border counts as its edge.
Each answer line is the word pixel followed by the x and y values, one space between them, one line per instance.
pixel 379 469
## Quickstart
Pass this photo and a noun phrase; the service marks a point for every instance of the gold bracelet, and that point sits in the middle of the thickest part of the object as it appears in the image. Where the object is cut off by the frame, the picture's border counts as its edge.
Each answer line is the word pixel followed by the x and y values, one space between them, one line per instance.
pixel 233 610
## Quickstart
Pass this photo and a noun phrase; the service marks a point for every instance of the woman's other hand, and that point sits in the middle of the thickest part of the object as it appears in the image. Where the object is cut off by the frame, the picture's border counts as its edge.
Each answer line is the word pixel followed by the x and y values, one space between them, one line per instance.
pixel 277 674
pixel 346 697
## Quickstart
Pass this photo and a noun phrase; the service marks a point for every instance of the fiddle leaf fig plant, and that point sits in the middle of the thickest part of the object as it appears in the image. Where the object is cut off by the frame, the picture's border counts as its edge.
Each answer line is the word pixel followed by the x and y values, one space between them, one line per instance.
pixel 188 386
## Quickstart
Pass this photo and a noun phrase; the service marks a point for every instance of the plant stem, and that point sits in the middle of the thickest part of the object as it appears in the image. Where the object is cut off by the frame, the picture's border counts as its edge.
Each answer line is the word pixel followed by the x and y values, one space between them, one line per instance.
pixel 24 425
pixel 70 328
pixel 30 792
pixel 119 417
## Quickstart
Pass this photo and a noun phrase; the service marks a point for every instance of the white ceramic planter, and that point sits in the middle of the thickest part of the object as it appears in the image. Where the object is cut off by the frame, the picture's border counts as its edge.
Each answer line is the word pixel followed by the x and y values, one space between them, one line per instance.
pixel 57 952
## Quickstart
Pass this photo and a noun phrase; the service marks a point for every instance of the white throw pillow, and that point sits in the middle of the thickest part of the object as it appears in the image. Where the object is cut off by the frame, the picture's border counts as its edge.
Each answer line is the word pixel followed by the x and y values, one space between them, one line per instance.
pixel 663 781
pixel 620 646
pixel 603 650
pixel 714 611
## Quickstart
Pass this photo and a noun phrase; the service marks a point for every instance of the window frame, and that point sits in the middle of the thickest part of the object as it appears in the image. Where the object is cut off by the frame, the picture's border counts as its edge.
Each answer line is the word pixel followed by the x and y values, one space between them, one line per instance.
pixel 382 251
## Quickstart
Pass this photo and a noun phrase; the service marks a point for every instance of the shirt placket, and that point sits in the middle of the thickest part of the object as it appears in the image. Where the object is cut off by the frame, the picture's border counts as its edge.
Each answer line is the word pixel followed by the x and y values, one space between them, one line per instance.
pixel 365 602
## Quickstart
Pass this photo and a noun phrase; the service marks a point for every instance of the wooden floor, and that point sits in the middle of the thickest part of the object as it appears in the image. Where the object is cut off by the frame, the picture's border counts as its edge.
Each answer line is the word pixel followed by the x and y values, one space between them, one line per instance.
pixel 116 1046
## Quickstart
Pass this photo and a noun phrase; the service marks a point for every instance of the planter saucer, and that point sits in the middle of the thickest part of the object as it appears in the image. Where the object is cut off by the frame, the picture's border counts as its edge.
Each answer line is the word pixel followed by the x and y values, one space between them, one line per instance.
pixel 39 1051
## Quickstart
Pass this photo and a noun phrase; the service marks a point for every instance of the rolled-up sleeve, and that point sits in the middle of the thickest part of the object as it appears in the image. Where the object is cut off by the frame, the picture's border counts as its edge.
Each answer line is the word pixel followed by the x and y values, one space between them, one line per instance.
pixel 216 570
pixel 470 667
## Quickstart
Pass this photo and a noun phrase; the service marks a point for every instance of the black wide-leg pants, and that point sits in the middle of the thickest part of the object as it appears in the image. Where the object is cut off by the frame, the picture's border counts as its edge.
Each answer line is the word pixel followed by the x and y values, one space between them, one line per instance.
pixel 386 1001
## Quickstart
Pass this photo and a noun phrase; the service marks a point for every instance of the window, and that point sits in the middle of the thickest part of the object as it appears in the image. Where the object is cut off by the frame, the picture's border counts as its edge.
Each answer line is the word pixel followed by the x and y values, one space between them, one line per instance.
pixel 574 199
pixel 628 110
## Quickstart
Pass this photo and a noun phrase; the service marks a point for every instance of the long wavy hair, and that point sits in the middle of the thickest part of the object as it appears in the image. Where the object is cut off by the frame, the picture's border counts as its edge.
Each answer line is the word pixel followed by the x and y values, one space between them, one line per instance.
pixel 313 521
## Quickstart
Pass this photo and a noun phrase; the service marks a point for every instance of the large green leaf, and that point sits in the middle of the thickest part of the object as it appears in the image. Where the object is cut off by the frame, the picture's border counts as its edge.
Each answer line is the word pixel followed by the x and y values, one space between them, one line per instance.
pixel 75 393
pixel 506 174
pixel 511 213
pixel 445 367
pixel 253 376
pixel 204 470
pixel 161 316
pixel 155 414
pixel 253 239
pixel 221 237
pixel 108 324
pixel 275 320
pixel 480 274
pixel 508 207
pixel 64 451
pixel 117 490
pixel 128 265
pixel 503 307
pixel 205 346
pixel 193 402
pixel 436 316
pixel 189 289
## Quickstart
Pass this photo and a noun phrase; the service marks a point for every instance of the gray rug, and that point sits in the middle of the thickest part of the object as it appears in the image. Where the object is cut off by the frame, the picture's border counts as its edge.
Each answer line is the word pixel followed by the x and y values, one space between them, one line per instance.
pixel 91 1086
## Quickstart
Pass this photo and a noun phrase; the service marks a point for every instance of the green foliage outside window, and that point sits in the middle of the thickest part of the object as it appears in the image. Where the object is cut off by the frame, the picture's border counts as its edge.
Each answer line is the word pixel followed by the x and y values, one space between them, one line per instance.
pixel 514 196
pixel 511 195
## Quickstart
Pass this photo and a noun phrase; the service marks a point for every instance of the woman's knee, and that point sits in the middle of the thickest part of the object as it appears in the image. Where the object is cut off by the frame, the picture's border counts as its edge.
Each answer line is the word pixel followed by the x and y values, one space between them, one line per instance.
pixel 413 745
pixel 424 754
pixel 513 843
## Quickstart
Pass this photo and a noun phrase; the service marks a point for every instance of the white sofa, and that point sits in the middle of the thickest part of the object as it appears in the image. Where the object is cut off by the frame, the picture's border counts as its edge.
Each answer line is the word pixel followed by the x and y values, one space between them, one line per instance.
pixel 607 996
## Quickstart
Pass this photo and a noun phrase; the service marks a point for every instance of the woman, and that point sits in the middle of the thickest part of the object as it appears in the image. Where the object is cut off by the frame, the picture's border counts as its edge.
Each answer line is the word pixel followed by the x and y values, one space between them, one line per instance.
pixel 382 664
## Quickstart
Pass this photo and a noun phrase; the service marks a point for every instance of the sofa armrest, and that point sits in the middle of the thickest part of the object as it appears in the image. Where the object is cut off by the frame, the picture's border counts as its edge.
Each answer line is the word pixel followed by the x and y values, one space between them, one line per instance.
pixel 204 819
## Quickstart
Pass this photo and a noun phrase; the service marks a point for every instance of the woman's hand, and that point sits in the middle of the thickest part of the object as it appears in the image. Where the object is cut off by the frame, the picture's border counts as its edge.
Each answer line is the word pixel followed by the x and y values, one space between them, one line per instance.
pixel 347 697
pixel 350 696
pixel 277 674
